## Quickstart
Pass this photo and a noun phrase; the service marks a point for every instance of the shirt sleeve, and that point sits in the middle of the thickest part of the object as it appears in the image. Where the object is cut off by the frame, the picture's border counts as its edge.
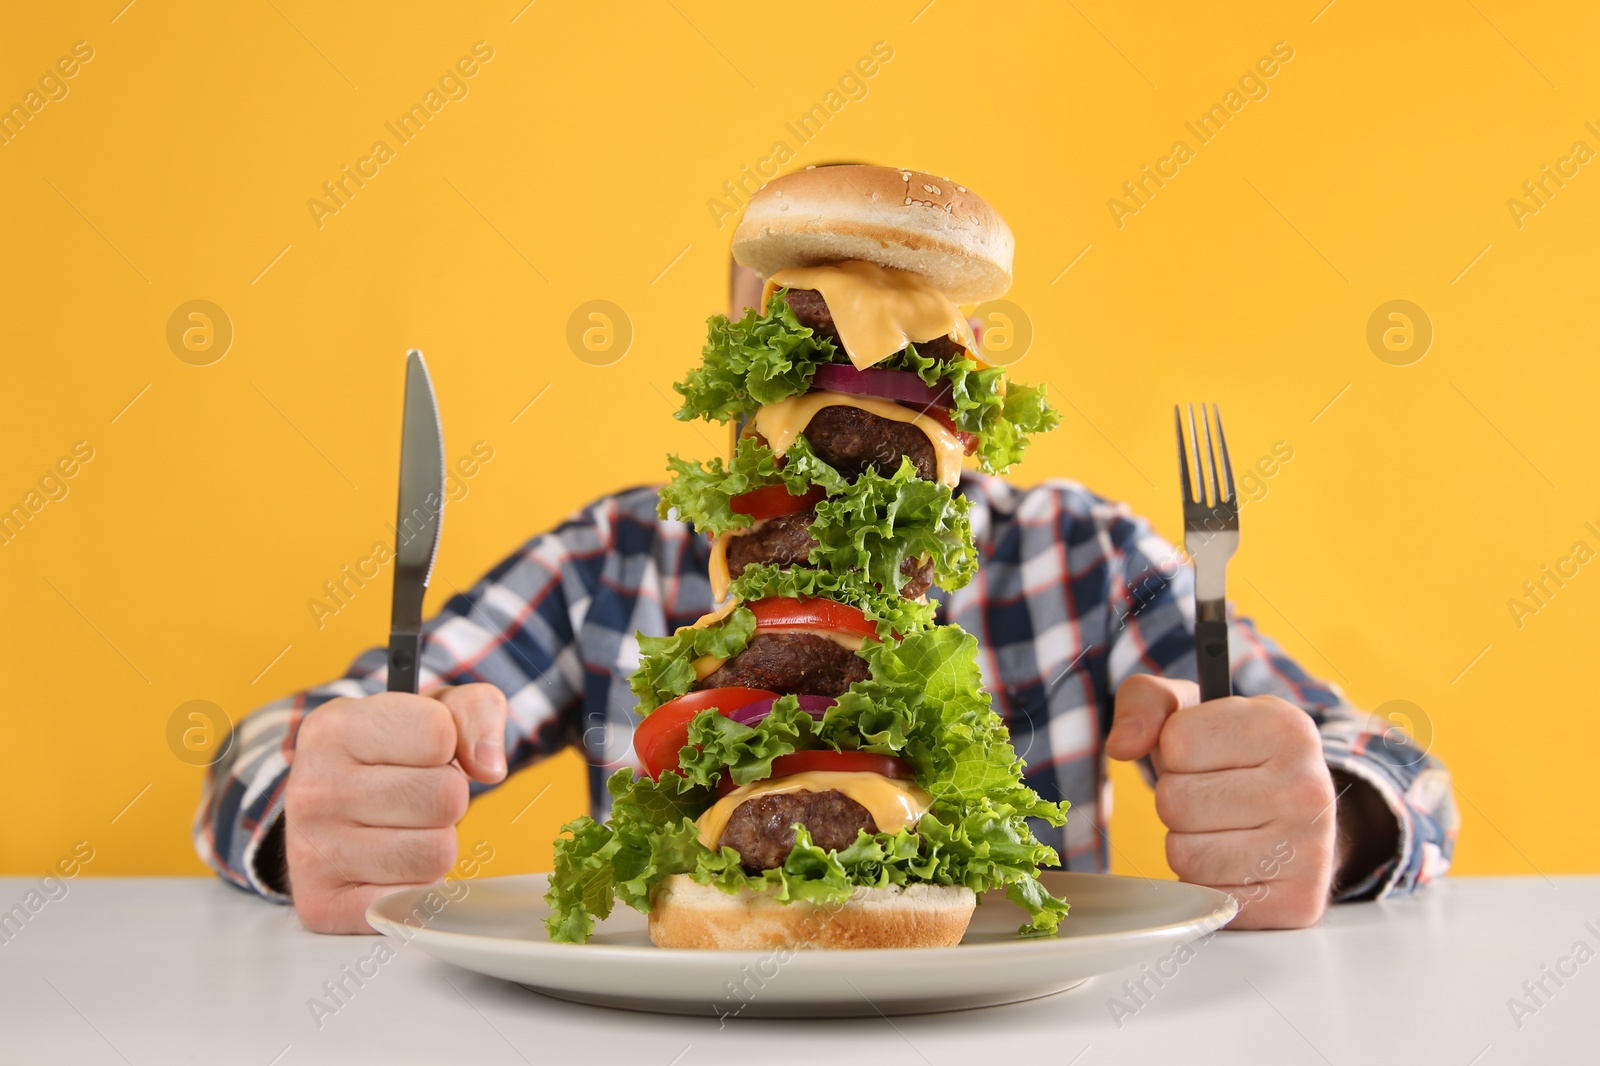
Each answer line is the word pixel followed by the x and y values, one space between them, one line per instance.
pixel 1151 630
pixel 515 629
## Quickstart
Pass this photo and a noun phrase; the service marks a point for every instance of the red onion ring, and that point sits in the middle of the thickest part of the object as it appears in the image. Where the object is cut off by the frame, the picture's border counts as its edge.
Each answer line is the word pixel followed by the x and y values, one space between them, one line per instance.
pixel 751 713
pixel 901 386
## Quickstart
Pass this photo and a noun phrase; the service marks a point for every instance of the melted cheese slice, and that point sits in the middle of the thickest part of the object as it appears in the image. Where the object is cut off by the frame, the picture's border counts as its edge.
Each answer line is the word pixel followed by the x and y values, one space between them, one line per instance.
pixel 719 564
pixel 894 805
pixel 706 665
pixel 711 619
pixel 780 423
pixel 877 310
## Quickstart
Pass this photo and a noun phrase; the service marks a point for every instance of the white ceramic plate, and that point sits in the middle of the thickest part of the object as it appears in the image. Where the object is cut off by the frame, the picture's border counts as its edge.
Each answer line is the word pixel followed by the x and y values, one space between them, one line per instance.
pixel 495 926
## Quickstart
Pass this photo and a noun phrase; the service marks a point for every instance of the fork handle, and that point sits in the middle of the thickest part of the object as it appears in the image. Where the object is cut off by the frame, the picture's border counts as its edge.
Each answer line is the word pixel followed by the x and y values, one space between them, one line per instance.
pixel 405 656
pixel 1211 654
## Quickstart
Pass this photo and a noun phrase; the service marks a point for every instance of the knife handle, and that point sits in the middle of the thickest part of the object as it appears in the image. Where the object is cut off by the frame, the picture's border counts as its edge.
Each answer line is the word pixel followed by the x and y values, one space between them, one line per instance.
pixel 405 656
pixel 1211 654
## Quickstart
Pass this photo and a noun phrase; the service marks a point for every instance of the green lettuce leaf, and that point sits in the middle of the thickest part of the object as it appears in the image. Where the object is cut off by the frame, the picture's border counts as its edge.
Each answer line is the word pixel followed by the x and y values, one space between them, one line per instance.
pixel 651 835
pixel 583 886
pixel 871 526
pixel 1002 421
pixel 976 402
pixel 879 523
pixel 982 845
pixel 699 493
pixel 762 359
pixel 757 360
pixel 1026 412
pixel 666 669
pixel 718 744
pixel 922 704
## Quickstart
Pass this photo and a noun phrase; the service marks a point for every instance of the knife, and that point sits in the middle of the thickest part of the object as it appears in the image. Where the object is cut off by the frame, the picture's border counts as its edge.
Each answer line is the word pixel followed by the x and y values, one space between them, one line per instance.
pixel 418 517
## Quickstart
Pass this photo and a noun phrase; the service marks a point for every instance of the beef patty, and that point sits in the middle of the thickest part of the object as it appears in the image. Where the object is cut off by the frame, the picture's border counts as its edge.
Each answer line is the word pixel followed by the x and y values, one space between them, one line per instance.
pixel 853 441
pixel 761 830
pixel 812 310
pixel 784 540
pixel 803 664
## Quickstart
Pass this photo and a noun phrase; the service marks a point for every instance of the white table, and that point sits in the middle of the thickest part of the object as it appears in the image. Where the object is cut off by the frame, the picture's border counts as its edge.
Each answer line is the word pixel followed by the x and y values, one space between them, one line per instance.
pixel 187 970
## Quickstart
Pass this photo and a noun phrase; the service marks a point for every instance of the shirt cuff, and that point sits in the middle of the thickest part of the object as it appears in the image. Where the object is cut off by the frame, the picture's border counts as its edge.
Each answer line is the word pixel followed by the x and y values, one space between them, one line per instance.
pixel 1382 881
pixel 265 862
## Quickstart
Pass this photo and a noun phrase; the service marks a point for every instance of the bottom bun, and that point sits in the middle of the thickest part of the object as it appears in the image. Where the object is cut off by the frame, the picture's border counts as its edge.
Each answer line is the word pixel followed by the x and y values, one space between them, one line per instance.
pixel 685 914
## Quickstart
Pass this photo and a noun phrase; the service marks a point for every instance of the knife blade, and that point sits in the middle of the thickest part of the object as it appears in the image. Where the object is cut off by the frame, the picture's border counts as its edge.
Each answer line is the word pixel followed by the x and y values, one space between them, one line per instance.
pixel 418 518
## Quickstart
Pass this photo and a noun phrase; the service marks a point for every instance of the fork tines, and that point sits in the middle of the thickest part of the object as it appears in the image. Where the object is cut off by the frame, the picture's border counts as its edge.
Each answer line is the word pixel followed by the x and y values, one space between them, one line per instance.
pixel 1222 494
pixel 1210 536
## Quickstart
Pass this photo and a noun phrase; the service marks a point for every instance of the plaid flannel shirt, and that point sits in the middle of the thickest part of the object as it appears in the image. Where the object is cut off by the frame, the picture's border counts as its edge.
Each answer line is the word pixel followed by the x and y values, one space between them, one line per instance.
pixel 1073 595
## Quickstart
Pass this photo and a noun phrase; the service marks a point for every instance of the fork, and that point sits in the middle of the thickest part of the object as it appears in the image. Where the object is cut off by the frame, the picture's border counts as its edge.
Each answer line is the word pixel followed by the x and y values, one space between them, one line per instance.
pixel 1210 536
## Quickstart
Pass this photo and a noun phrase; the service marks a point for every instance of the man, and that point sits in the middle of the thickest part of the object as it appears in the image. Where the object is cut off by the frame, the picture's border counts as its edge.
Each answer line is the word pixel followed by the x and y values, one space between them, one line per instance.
pixel 1284 794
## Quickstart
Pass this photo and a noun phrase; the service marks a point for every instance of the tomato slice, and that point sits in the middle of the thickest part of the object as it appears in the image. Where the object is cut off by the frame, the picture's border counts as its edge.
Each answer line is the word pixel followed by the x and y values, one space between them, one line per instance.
pixel 810 612
pixel 850 762
pixel 775 500
pixel 665 730
pixel 969 441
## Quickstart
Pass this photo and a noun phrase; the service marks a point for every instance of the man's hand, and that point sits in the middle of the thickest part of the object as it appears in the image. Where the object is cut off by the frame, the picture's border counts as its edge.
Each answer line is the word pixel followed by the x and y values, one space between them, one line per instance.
pixel 1244 792
pixel 374 794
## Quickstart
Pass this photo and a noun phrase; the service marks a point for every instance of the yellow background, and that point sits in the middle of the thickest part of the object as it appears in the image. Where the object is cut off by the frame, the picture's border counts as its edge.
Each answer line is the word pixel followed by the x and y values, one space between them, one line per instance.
pixel 579 167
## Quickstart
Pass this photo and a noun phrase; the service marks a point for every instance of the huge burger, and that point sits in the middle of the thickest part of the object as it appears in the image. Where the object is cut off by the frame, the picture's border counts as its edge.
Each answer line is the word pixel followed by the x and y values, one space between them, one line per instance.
pixel 820 766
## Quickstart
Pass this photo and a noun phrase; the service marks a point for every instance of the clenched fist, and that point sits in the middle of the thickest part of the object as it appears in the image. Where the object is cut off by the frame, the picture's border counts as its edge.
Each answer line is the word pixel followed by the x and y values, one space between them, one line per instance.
pixel 374 794
pixel 1244 792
